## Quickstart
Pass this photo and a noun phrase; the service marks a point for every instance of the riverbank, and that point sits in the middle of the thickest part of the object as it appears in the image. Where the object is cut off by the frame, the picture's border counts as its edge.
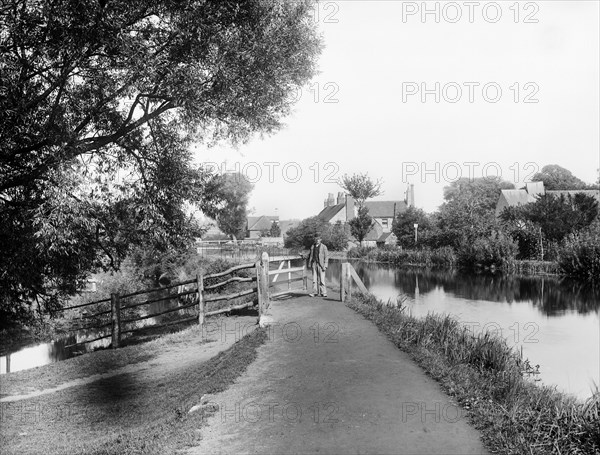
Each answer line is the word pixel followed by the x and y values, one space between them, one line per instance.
pixel 63 324
pixel 490 381
pixel 446 258
pixel 138 399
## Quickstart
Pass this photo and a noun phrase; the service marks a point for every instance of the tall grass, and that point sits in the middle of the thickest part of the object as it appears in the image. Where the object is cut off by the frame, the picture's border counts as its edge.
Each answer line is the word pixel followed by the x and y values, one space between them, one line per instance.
pixel 426 257
pixel 492 381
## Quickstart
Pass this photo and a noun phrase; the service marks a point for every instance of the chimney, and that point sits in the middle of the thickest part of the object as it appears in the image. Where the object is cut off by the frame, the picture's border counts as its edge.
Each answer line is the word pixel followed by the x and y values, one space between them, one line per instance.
pixel 349 208
pixel 330 200
pixel 411 195
pixel 341 199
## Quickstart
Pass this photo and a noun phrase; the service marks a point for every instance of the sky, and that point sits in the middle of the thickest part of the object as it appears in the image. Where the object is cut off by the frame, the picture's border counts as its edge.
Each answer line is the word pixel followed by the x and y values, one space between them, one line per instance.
pixel 425 92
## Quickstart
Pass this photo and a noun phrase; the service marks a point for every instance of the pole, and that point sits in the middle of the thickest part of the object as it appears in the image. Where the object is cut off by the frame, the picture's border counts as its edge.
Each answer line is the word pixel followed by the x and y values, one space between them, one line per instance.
pixel 200 283
pixel 115 315
pixel 263 284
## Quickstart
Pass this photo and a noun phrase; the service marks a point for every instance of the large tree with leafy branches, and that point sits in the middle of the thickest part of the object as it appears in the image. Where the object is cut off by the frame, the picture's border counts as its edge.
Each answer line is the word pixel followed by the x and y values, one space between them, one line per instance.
pixel 231 192
pixel 100 102
pixel 469 210
pixel 556 177
pixel 361 187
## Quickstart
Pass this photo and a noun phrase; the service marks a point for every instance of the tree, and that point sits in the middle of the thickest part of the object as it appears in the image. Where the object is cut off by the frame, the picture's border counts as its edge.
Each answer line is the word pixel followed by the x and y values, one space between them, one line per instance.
pixel 275 230
pixel 336 236
pixel 303 235
pixel 556 177
pixel 361 224
pixel 556 216
pixel 100 102
pixel 403 226
pixel 230 193
pixel 469 210
pixel 361 187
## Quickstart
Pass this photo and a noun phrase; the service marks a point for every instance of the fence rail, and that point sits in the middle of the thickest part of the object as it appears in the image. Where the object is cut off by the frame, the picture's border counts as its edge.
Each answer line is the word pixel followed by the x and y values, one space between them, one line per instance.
pixel 200 289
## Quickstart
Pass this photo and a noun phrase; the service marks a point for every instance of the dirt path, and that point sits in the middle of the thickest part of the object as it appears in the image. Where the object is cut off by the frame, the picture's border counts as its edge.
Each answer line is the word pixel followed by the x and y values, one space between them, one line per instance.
pixel 200 348
pixel 328 381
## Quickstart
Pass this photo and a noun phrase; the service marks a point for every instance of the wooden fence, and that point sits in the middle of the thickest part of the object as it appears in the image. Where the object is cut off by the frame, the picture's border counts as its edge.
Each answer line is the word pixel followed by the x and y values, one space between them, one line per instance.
pixel 202 290
pixel 347 276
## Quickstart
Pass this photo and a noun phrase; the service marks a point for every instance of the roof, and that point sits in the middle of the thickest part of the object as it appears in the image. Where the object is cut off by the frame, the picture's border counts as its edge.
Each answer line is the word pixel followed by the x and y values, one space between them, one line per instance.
pixel 593 193
pixel 385 209
pixel 261 223
pixel 374 233
pixel 384 236
pixel 286 225
pixel 534 188
pixel 517 197
pixel 328 213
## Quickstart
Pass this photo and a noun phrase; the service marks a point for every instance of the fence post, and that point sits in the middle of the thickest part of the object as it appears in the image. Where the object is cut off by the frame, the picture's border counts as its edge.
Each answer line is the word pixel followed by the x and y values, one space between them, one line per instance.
pixel 348 282
pixel 200 283
pixel 289 265
pixel 343 282
pixel 304 276
pixel 263 285
pixel 115 315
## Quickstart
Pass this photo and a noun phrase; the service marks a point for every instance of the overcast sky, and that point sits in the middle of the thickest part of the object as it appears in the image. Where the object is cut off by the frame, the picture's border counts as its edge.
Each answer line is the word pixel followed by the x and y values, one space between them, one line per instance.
pixel 366 111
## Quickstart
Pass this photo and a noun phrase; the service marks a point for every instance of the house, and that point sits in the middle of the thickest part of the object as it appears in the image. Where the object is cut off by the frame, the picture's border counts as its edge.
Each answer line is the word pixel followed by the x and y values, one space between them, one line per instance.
pixel 255 225
pixel 286 225
pixel 213 233
pixel 344 208
pixel 387 238
pixel 515 198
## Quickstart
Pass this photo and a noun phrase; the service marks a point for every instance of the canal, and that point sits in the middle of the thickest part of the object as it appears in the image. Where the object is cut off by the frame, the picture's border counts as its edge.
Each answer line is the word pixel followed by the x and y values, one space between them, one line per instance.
pixel 553 320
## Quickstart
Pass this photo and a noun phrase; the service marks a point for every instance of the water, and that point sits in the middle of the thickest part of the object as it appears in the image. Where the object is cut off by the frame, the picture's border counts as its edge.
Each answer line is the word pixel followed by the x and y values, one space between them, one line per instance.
pixel 45 353
pixel 57 350
pixel 555 321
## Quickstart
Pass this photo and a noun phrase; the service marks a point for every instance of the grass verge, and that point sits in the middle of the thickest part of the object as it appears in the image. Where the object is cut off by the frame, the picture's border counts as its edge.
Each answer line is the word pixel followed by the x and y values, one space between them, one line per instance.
pixel 489 380
pixel 96 362
pixel 123 415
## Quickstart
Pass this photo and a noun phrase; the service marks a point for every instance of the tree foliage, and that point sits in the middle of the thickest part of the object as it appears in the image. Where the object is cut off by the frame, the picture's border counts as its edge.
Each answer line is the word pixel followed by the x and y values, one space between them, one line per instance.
pixel 230 193
pixel 469 209
pixel 275 230
pixel 403 226
pixel 361 187
pixel 303 236
pixel 579 253
pixel 556 216
pixel 556 177
pixel 99 104
pixel 361 224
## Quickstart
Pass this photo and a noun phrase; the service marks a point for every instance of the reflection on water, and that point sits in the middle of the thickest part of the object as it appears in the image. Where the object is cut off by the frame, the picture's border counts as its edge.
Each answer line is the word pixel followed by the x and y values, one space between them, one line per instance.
pixel 43 354
pixel 555 321
pixel 61 349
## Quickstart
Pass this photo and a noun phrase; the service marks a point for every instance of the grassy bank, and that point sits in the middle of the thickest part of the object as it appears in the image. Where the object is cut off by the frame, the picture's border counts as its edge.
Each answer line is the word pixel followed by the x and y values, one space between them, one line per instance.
pixel 97 362
pixel 125 414
pixel 439 257
pixel 489 380
pixel 62 323
pixel 446 257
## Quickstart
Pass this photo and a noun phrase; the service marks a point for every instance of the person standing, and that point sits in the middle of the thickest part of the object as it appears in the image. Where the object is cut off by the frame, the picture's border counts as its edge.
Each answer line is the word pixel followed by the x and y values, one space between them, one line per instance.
pixel 318 260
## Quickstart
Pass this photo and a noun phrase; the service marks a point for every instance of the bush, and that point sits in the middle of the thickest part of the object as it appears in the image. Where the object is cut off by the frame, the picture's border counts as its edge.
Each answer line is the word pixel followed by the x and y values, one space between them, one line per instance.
pixel 302 236
pixel 579 255
pixel 444 256
pixel 496 251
